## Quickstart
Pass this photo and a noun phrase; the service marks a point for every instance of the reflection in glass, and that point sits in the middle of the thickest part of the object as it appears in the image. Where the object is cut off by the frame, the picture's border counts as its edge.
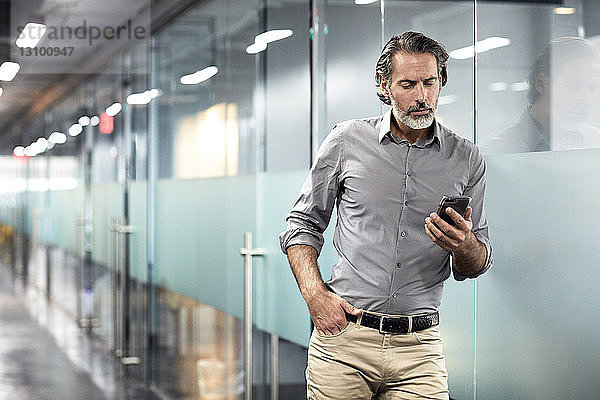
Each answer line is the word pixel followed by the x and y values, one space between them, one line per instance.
pixel 563 80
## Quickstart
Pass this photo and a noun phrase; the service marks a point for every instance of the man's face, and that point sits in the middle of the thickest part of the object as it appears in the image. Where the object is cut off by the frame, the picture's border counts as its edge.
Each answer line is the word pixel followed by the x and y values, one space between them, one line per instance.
pixel 414 89
pixel 574 87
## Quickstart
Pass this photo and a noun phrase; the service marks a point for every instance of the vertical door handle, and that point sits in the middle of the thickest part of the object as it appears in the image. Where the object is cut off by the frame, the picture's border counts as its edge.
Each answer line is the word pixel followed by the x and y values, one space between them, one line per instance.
pixel 248 252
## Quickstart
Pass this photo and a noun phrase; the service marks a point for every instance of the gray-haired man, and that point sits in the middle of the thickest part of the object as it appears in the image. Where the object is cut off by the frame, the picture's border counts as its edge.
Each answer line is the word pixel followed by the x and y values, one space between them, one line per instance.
pixel 376 320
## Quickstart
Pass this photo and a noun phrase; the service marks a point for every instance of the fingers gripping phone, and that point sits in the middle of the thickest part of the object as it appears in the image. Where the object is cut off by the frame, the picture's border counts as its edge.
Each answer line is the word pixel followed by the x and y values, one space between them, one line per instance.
pixel 457 203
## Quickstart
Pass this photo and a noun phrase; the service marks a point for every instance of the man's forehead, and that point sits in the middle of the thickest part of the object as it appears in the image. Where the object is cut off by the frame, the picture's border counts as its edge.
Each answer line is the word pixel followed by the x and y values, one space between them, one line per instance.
pixel 407 64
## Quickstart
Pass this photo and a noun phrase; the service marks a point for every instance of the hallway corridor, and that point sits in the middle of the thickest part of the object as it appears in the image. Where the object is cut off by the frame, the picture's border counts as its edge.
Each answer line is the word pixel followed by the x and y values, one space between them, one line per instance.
pixel 45 356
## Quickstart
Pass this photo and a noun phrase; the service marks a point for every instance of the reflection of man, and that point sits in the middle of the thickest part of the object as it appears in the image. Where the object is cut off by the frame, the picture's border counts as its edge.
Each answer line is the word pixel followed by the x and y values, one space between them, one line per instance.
pixel 562 82
pixel 376 319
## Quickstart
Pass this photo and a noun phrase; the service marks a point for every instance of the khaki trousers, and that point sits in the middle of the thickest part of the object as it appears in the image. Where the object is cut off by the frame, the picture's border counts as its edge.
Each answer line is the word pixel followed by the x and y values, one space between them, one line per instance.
pixel 361 363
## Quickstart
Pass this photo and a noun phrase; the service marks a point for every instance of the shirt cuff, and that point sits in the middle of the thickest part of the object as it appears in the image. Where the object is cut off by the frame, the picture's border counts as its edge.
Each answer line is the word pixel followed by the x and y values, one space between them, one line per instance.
pixel 300 236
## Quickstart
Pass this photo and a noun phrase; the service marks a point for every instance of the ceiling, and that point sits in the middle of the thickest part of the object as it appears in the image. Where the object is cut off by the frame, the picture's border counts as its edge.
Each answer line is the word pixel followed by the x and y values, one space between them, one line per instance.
pixel 44 79
pixel 73 27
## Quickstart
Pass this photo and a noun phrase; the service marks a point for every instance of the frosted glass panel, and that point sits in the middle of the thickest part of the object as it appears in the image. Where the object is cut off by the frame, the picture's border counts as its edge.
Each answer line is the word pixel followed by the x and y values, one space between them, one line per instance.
pixel 65 210
pixel 107 202
pixel 538 312
pixel 35 206
pixel 279 307
pixel 457 324
pixel 200 226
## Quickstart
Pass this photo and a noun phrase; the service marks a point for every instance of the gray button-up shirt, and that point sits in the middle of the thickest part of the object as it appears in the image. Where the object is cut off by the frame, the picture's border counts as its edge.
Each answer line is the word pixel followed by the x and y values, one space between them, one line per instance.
pixel 384 188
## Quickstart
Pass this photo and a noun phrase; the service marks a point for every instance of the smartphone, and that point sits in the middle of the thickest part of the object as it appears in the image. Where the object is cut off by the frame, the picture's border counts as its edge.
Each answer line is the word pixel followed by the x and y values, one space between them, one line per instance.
pixel 457 203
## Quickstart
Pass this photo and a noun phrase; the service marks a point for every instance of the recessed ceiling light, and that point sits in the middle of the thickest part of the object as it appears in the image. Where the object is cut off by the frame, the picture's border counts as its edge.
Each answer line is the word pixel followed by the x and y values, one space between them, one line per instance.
pixel 8 70
pixel 564 11
pixel 199 76
pixel 31 34
pixel 480 47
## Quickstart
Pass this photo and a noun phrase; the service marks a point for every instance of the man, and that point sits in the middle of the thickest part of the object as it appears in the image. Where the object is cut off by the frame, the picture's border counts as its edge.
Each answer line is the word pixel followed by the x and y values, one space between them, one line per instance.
pixel 386 175
pixel 563 80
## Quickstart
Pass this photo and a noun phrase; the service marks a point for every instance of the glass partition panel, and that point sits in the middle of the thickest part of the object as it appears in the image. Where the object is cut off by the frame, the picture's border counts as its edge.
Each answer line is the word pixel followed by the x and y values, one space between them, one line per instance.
pixel 544 280
pixel 287 89
pixel 351 56
pixel 205 195
pixel 537 93
pixel 518 32
pixel 281 307
pixel 65 208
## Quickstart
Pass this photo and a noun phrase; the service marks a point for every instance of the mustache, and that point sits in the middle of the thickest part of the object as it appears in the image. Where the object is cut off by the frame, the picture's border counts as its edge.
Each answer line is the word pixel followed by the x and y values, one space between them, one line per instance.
pixel 421 106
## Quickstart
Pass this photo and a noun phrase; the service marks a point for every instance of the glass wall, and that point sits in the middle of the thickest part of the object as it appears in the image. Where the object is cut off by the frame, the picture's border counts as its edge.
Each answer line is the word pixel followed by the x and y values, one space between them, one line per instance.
pixel 537 97
pixel 137 232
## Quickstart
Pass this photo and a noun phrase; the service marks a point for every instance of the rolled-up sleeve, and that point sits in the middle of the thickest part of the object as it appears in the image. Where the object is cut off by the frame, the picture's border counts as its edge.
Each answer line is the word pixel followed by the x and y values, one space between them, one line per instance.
pixel 476 190
pixel 311 213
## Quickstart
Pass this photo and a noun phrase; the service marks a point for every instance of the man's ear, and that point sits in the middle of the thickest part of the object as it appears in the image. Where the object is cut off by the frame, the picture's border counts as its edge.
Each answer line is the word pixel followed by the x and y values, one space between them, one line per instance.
pixel 383 83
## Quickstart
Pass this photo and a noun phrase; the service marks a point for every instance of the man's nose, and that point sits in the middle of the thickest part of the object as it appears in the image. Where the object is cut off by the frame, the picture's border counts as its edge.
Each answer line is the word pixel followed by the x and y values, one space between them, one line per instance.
pixel 421 93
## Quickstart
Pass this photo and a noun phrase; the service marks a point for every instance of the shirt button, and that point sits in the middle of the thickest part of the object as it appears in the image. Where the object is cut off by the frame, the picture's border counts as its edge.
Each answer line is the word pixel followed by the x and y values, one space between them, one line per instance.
pixel 406 203
pixel 394 296
pixel 408 173
pixel 398 265
pixel 402 233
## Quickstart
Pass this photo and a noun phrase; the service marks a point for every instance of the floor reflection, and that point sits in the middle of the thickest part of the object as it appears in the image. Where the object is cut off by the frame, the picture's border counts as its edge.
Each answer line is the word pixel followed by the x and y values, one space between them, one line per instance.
pixel 194 352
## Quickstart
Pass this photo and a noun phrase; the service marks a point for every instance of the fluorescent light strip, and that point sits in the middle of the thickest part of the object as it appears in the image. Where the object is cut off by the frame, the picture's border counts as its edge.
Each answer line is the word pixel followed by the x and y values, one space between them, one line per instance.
pixel 31 34
pixel 57 138
pixel 480 47
pixel 255 48
pixel 360 2
pixel 498 86
pixel 143 98
pixel 8 70
pixel 113 109
pixel 84 120
pixel 75 129
pixel 519 86
pixel 273 35
pixel 19 151
pixel 43 143
pixel 564 11
pixel 199 76
pixel 261 41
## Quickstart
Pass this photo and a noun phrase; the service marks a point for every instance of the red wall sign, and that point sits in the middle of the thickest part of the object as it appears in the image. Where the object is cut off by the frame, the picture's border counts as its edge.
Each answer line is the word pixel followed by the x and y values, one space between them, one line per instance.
pixel 107 124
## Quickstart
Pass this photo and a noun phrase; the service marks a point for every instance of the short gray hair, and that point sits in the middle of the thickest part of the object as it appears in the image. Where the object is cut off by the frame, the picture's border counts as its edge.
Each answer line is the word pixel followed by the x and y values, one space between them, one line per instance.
pixel 408 42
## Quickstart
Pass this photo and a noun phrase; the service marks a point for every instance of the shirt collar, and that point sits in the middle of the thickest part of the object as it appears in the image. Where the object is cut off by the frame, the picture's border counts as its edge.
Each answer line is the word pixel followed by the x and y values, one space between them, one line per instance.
pixel 385 129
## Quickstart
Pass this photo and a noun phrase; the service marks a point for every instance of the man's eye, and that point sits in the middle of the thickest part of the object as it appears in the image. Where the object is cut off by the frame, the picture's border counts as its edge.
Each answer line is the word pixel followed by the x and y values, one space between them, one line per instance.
pixel 407 86
pixel 429 83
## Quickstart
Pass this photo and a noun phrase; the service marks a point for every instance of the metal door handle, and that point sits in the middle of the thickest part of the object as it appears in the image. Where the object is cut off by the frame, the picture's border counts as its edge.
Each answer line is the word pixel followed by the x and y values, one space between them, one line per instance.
pixel 248 252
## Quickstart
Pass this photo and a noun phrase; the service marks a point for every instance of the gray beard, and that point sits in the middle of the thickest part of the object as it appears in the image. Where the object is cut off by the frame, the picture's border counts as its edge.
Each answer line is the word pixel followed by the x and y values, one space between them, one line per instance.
pixel 414 121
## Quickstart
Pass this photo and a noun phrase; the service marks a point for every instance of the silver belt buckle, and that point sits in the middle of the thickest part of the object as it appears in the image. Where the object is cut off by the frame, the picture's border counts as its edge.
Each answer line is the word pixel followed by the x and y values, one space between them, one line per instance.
pixel 381 326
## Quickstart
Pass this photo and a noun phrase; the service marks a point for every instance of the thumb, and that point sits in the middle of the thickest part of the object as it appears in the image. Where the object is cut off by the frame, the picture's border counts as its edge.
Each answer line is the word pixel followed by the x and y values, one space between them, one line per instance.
pixel 350 309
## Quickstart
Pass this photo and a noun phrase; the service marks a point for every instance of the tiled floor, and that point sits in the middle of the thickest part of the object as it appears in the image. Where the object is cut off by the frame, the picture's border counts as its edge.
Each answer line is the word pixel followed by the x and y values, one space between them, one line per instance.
pixel 45 356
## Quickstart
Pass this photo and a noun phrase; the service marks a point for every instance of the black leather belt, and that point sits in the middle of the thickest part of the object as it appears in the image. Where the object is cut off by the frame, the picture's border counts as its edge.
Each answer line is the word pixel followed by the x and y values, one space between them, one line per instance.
pixel 396 324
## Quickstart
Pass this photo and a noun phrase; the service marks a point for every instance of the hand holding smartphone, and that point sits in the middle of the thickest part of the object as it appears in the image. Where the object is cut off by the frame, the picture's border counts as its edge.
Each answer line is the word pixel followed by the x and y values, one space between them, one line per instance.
pixel 457 203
